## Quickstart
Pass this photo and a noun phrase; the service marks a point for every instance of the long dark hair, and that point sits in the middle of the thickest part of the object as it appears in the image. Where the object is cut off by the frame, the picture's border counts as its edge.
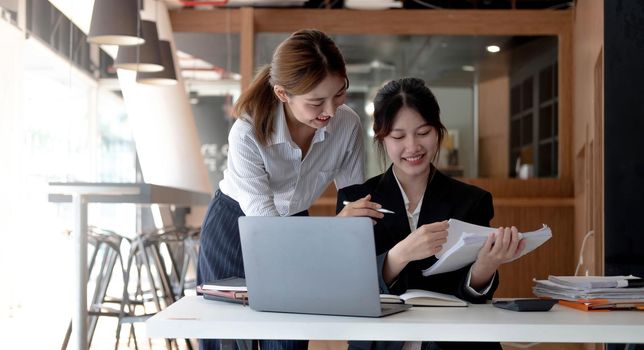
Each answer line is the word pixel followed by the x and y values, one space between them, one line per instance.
pixel 405 92
pixel 299 63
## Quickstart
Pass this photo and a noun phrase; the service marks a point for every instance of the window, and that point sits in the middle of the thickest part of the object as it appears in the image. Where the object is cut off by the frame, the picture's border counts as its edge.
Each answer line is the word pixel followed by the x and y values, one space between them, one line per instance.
pixel 534 122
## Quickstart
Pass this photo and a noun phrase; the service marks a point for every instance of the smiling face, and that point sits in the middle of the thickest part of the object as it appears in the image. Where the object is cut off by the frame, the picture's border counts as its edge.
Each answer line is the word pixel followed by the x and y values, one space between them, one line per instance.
pixel 315 108
pixel 411 144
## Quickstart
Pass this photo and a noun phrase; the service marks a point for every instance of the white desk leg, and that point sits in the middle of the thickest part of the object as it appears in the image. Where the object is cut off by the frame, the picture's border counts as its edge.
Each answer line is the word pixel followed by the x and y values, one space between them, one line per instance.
pixel 79 318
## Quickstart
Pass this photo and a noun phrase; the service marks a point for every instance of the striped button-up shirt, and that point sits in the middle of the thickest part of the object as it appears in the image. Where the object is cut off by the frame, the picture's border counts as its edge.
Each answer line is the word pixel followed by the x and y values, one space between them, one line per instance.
pixel 274 180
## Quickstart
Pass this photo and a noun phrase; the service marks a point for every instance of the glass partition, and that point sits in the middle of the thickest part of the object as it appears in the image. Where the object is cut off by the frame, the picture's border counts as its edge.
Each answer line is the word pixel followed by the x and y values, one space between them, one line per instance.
pixel 500 108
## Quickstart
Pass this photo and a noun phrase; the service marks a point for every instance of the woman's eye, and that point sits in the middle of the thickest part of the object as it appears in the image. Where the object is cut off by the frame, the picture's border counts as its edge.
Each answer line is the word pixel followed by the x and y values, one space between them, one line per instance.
pixel 397 137
pixel 316 105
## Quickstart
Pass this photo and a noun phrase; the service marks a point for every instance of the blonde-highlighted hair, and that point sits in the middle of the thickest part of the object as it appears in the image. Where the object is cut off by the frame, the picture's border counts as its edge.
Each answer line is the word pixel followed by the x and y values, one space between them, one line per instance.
pixel 299 63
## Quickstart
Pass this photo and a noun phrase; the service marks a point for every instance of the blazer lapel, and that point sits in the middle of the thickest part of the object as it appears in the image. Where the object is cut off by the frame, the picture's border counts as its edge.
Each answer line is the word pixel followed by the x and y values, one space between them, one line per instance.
pixel 434 207
pixel 388 194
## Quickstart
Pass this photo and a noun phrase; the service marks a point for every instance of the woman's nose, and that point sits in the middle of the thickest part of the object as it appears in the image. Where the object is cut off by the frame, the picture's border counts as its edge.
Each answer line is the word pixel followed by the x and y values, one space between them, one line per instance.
pixel 411 143
pixel 329 108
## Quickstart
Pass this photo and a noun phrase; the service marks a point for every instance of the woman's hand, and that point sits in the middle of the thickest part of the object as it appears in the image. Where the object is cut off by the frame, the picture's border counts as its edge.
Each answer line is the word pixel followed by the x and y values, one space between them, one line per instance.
pixel 499 248
pixel 424 242
pixel 362 207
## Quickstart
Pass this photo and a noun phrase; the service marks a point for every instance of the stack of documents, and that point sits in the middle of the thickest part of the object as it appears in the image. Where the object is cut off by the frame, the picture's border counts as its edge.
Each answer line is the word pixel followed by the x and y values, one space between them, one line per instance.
pixel 593 292
pixel 232 290
pixel 464 240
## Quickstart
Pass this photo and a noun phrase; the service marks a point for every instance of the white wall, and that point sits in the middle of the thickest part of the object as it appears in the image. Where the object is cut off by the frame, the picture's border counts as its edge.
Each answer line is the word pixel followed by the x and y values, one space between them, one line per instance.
pixel 162 123
pixel 12 49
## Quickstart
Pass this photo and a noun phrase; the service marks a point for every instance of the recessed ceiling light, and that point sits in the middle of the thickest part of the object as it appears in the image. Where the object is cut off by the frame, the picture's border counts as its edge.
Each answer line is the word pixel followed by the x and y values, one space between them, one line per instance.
pixel 468 68
pixel 493 48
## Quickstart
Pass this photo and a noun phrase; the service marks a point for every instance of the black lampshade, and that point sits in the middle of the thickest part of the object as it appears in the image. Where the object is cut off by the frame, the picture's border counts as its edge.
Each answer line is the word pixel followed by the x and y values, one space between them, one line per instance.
pixel 168 76
pixel 149 58
pixel 115 22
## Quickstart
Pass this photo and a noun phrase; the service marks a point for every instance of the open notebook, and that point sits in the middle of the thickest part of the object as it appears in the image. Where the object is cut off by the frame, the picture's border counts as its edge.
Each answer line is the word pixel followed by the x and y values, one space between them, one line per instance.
pixel 419 297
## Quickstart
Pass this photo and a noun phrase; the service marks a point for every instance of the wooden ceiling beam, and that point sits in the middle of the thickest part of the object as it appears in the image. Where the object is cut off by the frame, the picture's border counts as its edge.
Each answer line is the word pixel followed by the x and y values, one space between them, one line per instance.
pixel 206 21
pixel 394 22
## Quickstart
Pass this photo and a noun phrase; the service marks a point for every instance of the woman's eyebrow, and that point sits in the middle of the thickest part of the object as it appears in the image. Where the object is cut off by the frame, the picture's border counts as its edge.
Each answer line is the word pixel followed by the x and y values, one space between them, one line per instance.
pixel 316 98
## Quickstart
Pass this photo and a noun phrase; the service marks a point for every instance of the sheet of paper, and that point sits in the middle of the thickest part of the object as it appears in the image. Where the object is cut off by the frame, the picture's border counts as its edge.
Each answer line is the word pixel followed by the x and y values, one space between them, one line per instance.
pixel 464 241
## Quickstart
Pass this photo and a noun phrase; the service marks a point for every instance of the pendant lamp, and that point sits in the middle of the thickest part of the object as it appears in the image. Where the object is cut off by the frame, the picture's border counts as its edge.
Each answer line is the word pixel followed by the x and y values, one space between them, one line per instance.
pixel 143 58
pixel 168 75
pixel 115 22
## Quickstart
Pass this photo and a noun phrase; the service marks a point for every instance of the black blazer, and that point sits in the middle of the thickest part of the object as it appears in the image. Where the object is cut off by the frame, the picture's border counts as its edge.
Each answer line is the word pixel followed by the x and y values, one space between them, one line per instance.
pixel 444 198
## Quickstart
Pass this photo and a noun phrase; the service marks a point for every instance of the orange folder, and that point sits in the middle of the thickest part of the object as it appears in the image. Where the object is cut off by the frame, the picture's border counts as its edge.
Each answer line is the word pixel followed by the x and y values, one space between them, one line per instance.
pixel 598 305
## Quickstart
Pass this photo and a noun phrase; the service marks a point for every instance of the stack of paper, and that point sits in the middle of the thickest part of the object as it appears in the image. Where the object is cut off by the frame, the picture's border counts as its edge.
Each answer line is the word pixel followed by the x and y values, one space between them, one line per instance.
pixel 593 292
pixel 464 241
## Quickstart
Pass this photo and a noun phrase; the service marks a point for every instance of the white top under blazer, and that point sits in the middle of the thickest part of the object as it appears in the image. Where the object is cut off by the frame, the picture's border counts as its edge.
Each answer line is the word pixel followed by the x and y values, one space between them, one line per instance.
pixel 274 180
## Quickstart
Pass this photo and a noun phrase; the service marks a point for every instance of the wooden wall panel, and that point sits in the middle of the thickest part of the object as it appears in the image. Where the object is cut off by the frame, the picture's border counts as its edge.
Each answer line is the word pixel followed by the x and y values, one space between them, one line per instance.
pixel 555 257
pixel 530 188
pixel 493 113
pixel 247 46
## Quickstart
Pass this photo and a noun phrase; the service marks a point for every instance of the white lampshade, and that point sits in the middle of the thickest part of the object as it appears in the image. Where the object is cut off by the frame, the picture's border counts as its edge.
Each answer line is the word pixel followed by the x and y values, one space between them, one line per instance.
pixel 115 22
pixel 143 58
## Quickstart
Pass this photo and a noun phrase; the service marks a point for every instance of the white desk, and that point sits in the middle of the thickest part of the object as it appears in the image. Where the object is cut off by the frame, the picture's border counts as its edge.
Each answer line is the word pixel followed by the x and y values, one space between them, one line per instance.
pixel 80 194
pixel 194 317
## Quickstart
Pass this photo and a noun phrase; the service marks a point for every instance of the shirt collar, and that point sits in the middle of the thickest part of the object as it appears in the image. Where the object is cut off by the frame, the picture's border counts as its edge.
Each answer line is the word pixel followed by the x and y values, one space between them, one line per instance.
pixel 281 134
pixel 405 199
pixel 280 129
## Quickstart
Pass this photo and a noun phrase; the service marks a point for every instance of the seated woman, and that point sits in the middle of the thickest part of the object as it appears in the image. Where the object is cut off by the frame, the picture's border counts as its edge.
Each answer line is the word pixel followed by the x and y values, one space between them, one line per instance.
pixel 407 127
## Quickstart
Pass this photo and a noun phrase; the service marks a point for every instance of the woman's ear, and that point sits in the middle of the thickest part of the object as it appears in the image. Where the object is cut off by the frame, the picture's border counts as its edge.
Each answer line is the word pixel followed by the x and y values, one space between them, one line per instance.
pixel 280 93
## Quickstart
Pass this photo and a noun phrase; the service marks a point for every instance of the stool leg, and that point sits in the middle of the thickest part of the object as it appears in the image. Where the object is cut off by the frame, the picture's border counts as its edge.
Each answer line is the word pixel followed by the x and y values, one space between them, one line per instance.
pixel 163 275
pixel 101 289
pixel 67 335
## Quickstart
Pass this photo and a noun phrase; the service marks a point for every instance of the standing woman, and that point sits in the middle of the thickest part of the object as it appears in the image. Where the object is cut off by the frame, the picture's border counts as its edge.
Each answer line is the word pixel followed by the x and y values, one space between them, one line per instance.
pixel 407 127
pixel 293 136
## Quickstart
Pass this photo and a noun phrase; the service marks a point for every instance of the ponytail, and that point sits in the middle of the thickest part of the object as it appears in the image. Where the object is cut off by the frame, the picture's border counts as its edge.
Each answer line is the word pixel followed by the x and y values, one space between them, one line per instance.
pixel 259 102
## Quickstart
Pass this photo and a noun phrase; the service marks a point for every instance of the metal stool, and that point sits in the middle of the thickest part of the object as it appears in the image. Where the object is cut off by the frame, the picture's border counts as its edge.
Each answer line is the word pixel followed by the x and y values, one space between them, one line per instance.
pixel 107 249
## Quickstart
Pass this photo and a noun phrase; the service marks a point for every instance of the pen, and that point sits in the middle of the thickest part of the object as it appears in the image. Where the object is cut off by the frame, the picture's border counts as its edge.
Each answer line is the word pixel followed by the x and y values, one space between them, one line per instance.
pixel 382 210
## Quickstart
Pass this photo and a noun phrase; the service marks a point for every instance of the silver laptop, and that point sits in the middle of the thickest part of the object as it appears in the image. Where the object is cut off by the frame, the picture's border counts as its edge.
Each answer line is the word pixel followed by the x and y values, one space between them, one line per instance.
pixel 313 265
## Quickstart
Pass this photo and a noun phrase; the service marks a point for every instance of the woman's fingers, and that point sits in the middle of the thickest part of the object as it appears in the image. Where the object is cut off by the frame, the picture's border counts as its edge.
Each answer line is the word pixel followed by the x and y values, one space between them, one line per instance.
pixel 514 243
pixel 437 226
pixel 362 207
pixel 507 244
pixel 365 202
pixel 425 241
